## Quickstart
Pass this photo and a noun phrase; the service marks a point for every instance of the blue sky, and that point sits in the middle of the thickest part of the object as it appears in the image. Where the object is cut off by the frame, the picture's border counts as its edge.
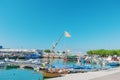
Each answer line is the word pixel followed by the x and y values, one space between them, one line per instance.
pixel 93 24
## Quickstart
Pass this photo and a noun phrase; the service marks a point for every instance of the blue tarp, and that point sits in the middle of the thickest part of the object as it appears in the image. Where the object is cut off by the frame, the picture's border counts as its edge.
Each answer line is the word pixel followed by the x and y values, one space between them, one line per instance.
pixel 32 56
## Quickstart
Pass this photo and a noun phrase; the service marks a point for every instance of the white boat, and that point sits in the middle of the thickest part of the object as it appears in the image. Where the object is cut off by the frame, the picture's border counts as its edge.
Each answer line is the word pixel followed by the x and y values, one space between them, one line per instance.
pixel 2 64
pixel 6 60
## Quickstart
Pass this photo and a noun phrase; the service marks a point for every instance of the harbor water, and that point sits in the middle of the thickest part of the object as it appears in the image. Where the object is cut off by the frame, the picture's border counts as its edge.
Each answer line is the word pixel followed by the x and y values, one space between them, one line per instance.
pixel 19 74
pixel 25 74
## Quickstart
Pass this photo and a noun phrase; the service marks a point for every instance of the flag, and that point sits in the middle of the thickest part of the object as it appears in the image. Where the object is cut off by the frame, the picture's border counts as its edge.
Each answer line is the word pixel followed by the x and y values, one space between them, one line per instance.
pixel 67 34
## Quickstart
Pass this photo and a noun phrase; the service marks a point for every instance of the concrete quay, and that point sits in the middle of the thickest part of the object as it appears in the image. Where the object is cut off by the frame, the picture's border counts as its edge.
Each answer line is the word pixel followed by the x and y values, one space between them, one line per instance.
pixel 110 74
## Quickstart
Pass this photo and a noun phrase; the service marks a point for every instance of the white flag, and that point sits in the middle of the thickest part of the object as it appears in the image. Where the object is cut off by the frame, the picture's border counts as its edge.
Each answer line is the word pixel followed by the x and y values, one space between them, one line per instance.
pixel 67 34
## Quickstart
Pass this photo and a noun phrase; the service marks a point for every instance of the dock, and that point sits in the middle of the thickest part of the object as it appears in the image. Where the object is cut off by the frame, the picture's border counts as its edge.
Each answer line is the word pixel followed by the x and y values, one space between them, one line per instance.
pixel 26 65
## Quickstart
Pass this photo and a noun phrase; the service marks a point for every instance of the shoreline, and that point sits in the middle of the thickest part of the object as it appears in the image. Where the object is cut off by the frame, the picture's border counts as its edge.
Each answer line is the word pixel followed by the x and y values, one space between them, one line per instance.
pixel 89 75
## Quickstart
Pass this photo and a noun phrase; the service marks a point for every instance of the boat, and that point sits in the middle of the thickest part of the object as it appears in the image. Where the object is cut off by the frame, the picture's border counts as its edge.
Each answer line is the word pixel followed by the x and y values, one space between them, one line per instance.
pixel 114 64
pixel 12 67
pixel 72 58
pixel 78 67
pixel 47 74
pixel 2 64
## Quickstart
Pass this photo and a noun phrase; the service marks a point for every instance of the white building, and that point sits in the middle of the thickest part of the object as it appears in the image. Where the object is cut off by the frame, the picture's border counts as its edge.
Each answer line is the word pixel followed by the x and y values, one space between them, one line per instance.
pixel 7 50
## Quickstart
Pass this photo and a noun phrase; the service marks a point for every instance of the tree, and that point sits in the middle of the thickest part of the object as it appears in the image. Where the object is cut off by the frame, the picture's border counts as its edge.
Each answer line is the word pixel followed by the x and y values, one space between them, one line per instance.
pixel 47 51
pixel 103 52
pixel 90 52
pixel 63 52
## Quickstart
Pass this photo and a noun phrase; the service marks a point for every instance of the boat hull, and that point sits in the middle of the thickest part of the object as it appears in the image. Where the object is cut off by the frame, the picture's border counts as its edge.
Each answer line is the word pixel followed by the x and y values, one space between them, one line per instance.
pixel 47 74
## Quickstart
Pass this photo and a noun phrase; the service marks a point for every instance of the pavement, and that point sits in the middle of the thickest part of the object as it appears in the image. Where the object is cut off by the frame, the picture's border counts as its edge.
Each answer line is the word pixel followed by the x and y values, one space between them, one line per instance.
pixel 111 74
pixel 115 76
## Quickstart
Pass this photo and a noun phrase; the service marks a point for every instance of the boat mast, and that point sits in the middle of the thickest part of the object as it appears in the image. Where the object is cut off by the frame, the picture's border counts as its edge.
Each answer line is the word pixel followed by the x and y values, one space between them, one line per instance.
pixel 54 46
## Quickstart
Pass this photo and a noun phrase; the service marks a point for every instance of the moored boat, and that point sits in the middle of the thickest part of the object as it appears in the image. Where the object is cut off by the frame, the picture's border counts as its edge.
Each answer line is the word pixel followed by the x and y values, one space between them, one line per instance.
pixel 2 64
pixel 12 66
pixel 114 64
pixel 47 74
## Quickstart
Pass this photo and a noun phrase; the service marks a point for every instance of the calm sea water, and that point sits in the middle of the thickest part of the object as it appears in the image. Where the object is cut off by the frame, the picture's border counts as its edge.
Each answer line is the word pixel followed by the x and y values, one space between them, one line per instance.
pixel 19 74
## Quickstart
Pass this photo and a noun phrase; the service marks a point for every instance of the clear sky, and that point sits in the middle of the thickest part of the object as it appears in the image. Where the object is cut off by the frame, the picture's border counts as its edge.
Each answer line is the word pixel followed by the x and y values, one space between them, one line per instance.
pixel 93 24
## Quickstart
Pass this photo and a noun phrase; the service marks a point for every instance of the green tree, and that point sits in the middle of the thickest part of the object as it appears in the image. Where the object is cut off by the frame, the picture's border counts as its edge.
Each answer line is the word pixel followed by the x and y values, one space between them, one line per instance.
pixel 63 52
pixel 103 52
pixel 47 51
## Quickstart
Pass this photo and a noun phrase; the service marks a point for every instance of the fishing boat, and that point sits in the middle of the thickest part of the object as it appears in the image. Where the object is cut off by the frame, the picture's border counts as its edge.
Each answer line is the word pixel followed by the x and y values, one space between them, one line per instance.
pixel 47 74
pixel 12 67
pixel 51 74
pixel 114 64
